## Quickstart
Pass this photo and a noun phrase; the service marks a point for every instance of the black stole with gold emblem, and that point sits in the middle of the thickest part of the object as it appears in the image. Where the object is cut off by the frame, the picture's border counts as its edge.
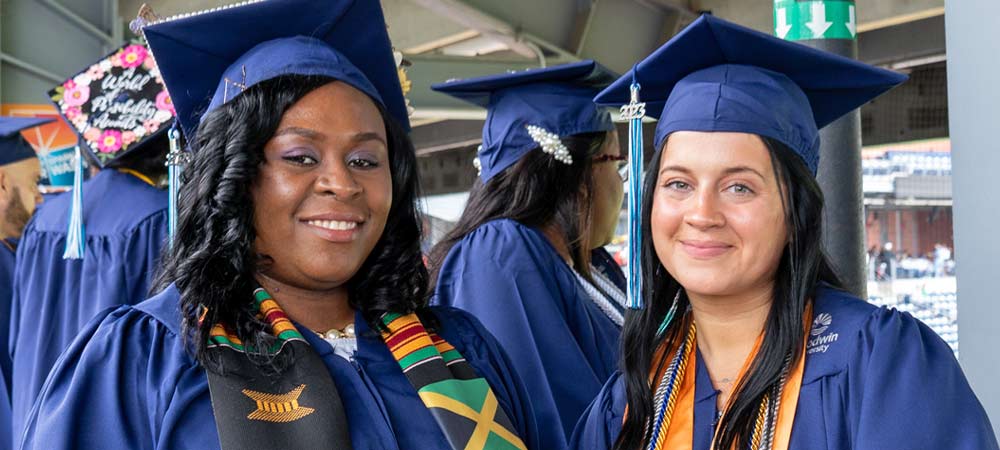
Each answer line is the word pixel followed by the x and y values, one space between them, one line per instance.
pixel 301 409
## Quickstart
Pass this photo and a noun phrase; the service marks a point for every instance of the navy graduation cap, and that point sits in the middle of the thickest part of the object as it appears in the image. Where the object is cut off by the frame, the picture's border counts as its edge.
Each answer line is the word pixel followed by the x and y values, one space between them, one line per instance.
pixel 719 76
pixel 13 147
pixel 207 59
pixel 533 109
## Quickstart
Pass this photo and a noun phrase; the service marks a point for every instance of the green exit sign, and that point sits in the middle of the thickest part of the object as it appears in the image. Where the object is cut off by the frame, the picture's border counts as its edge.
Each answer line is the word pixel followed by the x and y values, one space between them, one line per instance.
pixel 796 20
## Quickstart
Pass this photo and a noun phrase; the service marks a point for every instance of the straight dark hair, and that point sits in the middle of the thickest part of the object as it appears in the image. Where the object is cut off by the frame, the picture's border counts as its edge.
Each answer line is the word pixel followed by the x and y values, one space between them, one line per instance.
pixel 536 191
pixel 803 266
pixel 211 260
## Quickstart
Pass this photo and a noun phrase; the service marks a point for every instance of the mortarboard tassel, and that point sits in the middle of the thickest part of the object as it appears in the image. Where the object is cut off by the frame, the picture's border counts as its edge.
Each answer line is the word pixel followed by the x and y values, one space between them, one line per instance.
pixel 75 244
pixel 634 111
pixel 176 160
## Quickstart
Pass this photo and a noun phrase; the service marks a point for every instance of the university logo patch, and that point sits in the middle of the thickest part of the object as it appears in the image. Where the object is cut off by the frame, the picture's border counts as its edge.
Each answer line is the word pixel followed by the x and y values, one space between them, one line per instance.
pixel 278 408
pixel 821 324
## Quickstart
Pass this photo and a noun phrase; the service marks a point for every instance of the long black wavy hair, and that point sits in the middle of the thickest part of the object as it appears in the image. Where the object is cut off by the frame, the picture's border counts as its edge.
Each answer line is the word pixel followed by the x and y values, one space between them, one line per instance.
pixel 536 191
pixel 802 267
pixel 212 262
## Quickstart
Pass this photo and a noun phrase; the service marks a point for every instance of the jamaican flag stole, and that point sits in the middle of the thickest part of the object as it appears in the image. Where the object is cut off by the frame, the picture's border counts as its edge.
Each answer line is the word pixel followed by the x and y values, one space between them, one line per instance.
pixel 462 403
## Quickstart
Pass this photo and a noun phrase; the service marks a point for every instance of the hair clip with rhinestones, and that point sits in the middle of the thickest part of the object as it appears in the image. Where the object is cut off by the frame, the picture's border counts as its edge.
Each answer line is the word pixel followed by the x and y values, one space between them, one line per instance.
pixel 477 163
pixel 550 143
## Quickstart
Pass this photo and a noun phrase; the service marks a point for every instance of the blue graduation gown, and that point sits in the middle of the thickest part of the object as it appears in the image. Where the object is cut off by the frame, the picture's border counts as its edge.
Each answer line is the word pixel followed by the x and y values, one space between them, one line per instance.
pixel 126 226
pixel 510 277
pixel 128 382
pixel 6 273
pixel 7 258
pixel 874 379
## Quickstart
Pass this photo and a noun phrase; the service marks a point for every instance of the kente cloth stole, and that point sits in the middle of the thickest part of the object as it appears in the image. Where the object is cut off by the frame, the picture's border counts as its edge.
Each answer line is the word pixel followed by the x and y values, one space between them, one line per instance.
pixel 300 409
pixel 462 403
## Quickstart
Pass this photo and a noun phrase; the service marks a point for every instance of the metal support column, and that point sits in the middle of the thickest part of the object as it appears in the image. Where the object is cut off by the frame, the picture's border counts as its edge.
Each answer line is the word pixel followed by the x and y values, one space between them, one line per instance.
pixel 830 25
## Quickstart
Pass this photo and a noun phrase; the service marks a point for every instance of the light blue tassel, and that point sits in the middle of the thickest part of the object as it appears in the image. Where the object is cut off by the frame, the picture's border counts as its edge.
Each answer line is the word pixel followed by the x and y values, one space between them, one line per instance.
pixel 174 167
pixel 75 237
pixel 634 111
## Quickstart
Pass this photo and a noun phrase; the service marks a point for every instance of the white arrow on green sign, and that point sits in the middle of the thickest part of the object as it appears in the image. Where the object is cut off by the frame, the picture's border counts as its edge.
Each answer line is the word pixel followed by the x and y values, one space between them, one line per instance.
pixel 797 20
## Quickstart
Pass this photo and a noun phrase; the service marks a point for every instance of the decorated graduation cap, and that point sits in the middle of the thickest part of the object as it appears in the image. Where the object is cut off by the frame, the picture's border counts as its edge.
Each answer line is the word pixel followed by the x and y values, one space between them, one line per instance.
pixel 209 58
pixel 116 105
pixel 13 147
pixel 718 76
pixel 533 109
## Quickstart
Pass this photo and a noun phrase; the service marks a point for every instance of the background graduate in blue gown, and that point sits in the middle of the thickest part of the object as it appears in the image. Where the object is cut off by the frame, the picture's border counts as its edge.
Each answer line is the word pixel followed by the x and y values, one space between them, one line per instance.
pixel 122 222
pixel 527 256
pixel 763 350
pixel 20 171
pixel 303 186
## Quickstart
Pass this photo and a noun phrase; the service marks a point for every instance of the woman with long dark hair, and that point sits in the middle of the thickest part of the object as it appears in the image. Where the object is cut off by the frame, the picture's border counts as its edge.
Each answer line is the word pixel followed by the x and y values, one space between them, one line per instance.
pixel 527 256
pixel 291 311
pixel 747 340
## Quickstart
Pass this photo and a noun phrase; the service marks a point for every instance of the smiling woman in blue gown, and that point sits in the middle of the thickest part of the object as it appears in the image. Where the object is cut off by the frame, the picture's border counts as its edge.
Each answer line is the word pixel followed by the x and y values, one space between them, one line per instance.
pixel 292 311
pixel 527 258
pixel 747 342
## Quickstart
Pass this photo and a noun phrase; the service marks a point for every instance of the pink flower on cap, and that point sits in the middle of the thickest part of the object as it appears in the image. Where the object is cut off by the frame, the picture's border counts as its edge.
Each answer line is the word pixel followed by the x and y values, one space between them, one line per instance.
pixel 110 141
pixel 164 103
pixel 76 96
pixel 92 134
pixel 132 56
pixel 128 138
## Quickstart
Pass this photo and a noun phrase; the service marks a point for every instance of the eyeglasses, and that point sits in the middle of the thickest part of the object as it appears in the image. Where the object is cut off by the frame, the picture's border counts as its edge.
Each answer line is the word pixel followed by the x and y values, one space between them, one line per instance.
pixel 622 164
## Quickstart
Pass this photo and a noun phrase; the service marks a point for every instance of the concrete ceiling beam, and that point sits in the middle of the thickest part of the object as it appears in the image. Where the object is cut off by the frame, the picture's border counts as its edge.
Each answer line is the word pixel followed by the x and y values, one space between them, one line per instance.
pixel 621 32
pixel 875 14
pixel 487 25
pixel 682 7
pixel 545 21
pixel 430 69
pixel 909 43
